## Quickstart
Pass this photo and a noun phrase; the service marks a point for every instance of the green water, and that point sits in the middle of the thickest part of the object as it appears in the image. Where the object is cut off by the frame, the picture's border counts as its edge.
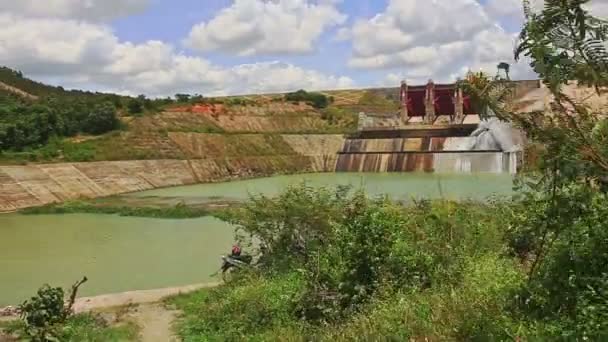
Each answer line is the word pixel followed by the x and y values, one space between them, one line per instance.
pixel 399 186
pixel 116 253
pixel 122 254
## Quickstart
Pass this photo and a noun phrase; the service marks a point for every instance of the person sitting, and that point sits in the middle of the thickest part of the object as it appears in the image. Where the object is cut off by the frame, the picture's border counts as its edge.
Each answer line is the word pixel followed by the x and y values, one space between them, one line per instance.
pixel 236 252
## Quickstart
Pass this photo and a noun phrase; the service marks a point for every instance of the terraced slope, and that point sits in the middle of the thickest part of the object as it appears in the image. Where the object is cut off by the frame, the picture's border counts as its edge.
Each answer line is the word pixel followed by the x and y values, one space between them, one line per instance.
pixel 16 91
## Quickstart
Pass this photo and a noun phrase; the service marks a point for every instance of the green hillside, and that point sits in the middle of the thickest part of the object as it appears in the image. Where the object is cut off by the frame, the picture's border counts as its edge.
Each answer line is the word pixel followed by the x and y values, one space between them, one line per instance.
pixel 42 123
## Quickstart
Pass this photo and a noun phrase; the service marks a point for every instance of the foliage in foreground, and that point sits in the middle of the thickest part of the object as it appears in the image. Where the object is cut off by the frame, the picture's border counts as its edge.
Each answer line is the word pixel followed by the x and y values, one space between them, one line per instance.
pixel 336 265
pixel 86 328
pixel 48 316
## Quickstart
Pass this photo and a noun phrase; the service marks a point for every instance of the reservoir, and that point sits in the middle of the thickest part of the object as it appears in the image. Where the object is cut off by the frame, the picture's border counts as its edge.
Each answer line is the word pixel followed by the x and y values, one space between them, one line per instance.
pixel 125 253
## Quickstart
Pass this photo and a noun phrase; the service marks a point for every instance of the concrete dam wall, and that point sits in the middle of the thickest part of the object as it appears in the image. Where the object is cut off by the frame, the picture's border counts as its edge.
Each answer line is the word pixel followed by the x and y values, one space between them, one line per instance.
pixel 35 185
pixel 422 155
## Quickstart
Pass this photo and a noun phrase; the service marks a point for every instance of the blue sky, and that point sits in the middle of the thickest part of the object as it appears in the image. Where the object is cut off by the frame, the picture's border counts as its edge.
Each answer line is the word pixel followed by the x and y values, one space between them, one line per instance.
pixel 213 47
pixel 178 20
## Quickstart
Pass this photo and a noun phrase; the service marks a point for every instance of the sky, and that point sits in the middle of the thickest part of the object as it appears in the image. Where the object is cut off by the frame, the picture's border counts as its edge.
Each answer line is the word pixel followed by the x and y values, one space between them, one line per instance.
pixel 224 47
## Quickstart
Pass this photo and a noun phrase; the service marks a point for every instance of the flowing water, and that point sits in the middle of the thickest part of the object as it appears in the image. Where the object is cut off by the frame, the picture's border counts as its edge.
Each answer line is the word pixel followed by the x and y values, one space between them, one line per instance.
pixel 121 254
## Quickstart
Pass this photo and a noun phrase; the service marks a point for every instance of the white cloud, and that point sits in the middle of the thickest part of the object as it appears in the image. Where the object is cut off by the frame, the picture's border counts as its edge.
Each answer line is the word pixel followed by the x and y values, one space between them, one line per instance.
pixel 89 55
pixel 511 9
pixel 96 10
pixel 277 76
pixel 433 39
pixel 514 8
pixel 259 27
pixel 54 45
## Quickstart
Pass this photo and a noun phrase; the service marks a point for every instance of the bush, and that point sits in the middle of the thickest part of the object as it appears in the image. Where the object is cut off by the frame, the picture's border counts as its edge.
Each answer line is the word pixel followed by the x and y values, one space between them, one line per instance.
pixel 43 313
pixel 134 106
pixel 368 269
pixel 570 283
pixel 349 246
pixel 475 309
pixel 101 119
pixel 236 312
pixel 317 100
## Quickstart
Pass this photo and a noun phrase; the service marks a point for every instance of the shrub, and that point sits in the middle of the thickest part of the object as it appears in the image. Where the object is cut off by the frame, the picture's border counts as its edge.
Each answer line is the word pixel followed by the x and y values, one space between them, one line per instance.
pixel 475 309
pixel 350 246
pixel 45 314
pixel 251 306
pixel 134 106
pixel 570 283
pixel 317 100
pixel 101 119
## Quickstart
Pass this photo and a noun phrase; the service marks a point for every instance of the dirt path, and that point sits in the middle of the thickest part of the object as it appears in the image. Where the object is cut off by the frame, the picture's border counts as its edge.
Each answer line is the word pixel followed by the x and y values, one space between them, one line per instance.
pixel 145 308
pixel 147 311
pixel 155 322
pixel 85 304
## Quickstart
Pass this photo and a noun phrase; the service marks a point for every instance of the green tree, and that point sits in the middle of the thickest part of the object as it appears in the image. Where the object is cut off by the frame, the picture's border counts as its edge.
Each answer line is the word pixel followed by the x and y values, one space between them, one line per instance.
pixel 182 98
pixel 317 100
pixel 101 119
pixel 134 106
pixel 559 224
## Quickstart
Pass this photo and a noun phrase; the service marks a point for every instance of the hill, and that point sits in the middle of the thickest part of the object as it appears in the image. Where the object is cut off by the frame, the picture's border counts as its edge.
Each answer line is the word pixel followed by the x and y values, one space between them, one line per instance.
pixel 42 123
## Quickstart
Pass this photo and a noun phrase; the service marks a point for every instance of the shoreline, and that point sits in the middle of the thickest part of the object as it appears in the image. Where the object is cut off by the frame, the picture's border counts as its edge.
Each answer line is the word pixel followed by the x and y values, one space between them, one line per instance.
pixel 136 297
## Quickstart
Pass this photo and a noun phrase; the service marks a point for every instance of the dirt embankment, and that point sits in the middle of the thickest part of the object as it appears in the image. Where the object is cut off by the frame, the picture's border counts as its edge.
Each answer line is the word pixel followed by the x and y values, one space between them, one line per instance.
pixel 17 91
pixel 23 186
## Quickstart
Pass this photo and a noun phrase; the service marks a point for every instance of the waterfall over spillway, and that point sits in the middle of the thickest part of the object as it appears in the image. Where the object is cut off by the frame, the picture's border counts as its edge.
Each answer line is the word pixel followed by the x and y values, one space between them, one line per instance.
pixel 491 135
pixel 494 134
pixel 490 147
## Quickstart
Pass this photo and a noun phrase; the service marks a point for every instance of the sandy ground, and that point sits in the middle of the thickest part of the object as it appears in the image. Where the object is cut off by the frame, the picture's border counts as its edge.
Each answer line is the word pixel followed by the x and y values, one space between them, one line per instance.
pixel 154 321
pixel 145 308
pixel 85 304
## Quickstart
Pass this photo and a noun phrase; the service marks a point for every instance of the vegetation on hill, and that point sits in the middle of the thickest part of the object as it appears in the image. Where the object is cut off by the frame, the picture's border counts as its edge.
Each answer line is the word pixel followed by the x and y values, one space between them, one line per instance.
pixel 26 124
pixel 378 102
pixel 317 100
pixel 58 125
pixel 16 79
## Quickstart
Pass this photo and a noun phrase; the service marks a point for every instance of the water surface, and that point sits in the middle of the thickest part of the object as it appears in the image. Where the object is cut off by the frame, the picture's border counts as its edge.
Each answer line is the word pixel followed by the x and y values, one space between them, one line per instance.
pixel 399 186
pixel 116 253
pixel 122 254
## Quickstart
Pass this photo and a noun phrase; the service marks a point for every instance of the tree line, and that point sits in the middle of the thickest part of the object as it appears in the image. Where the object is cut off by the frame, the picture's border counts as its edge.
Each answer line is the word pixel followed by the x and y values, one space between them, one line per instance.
pixel 25 124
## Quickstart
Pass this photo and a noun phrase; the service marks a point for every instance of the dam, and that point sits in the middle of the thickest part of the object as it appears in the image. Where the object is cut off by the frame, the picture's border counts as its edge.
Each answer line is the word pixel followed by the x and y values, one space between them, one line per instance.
pixel 437 130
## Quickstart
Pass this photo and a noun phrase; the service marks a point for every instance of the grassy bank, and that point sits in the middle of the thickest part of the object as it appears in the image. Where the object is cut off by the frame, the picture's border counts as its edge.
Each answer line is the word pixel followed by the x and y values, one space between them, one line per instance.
pixel 339 266
pixel 81 327
pixel 179 211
